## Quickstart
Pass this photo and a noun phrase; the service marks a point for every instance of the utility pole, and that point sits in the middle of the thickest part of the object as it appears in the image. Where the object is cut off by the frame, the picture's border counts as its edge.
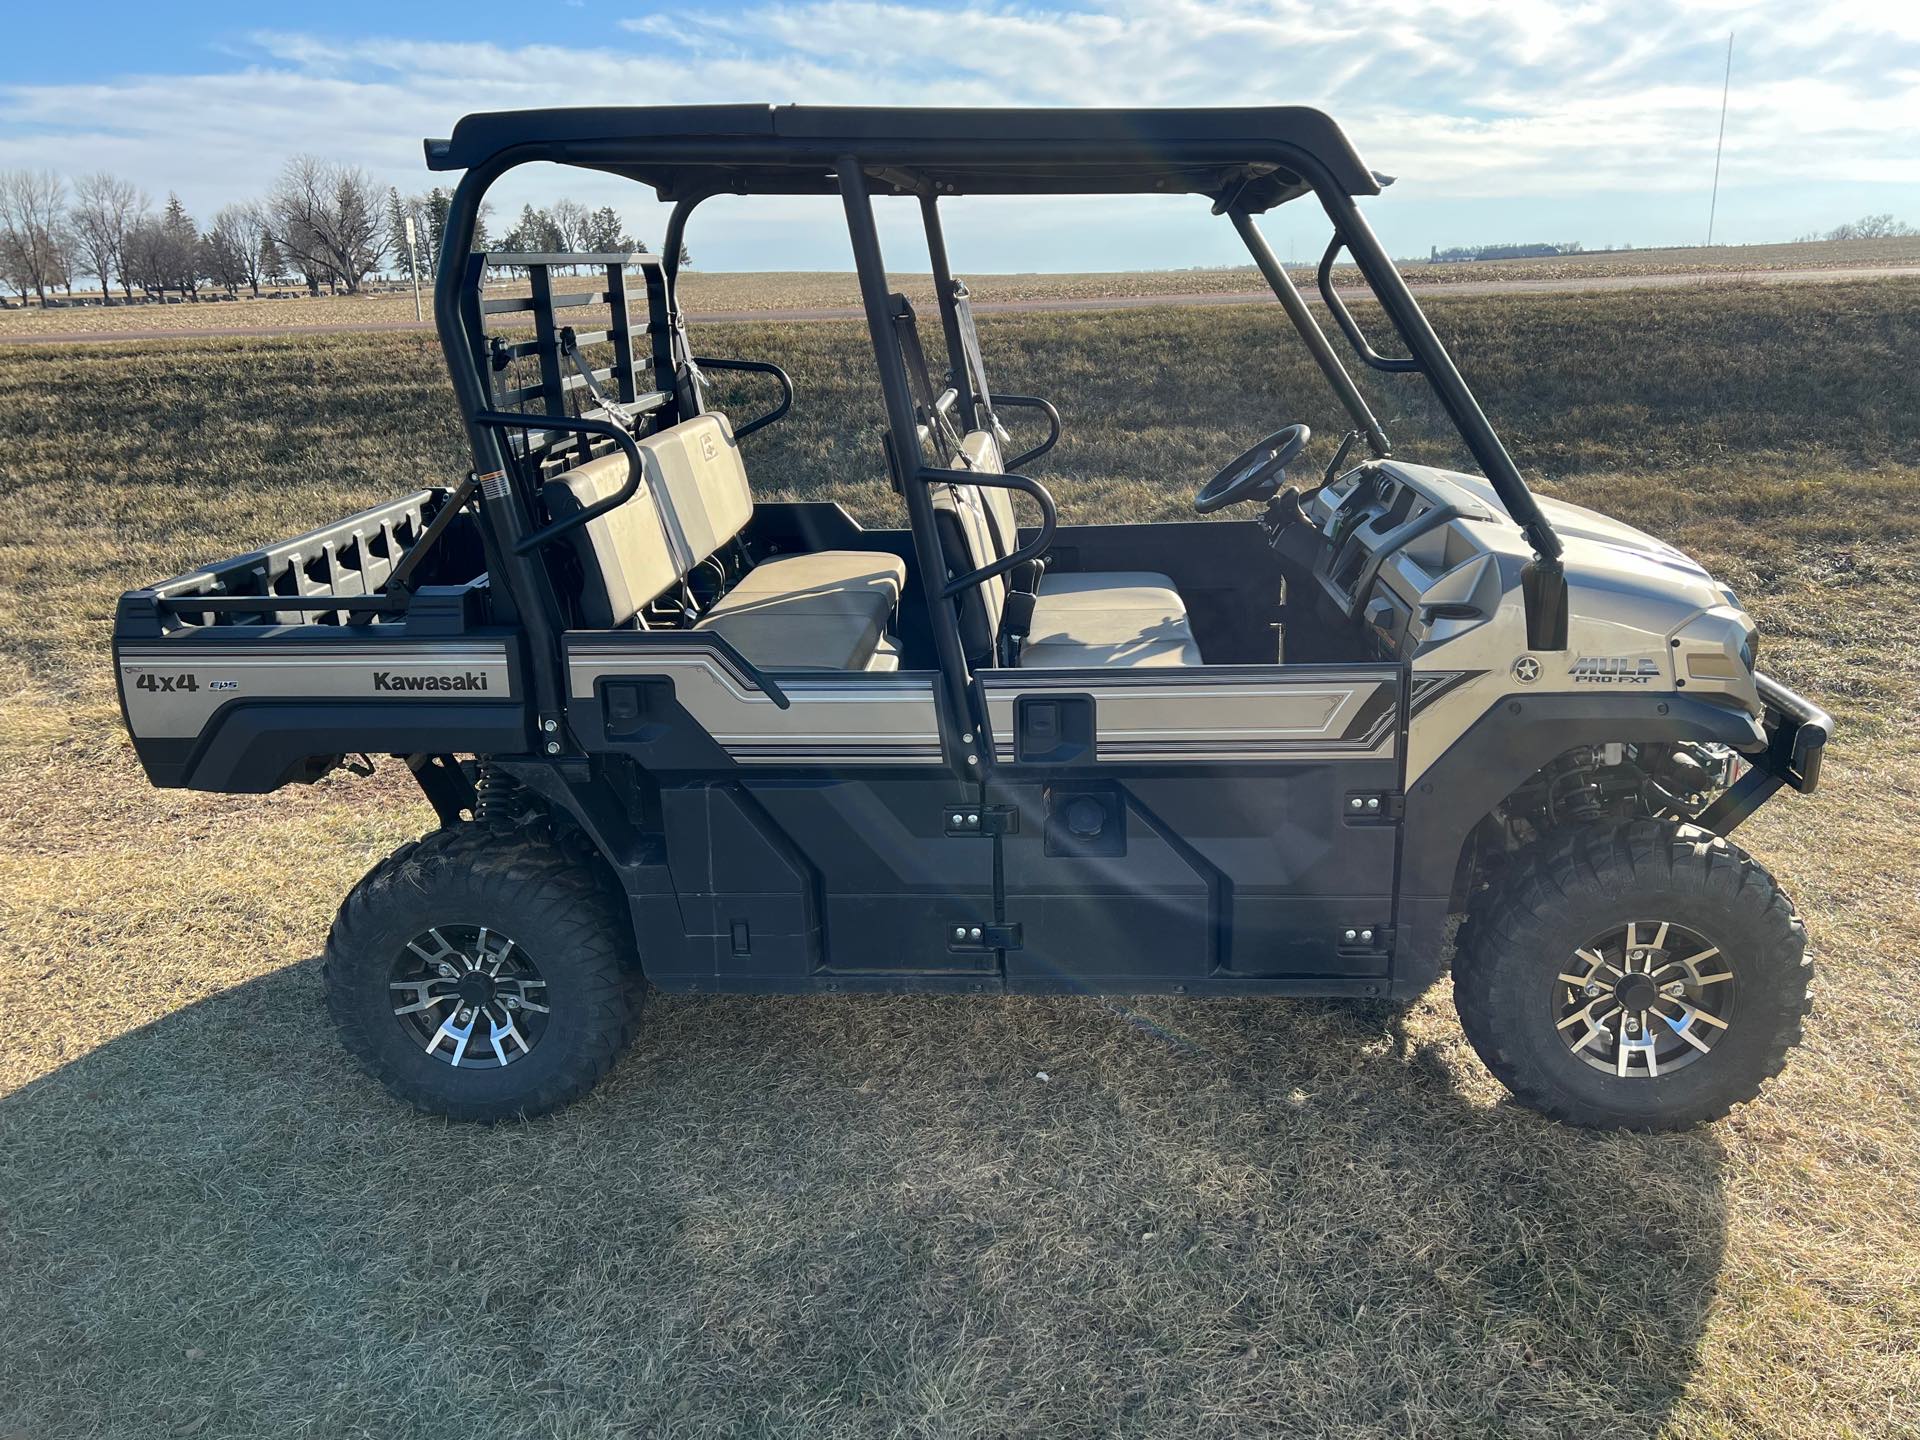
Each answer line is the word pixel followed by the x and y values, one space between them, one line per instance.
pixel 1726 83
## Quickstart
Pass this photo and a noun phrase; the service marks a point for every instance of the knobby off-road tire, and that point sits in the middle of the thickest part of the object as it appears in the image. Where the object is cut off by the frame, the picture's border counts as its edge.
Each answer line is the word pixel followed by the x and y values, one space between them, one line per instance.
pixel 1524 933
pixel 566 928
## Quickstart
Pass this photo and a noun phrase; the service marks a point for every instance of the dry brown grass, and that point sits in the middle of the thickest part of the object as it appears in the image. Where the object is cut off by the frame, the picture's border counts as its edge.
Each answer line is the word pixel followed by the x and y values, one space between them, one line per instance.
pixel 703 292
pixel 870 1217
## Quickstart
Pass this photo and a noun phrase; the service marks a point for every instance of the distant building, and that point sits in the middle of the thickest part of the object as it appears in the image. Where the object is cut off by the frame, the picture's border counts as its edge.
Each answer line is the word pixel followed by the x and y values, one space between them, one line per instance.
pixel 1437 256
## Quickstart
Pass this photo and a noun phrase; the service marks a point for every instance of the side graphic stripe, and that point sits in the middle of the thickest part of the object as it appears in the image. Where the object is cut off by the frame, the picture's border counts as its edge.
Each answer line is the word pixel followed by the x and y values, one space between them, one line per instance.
pixel 1430 685
pixel 172 691
pixel 864 718
pixel 1247 713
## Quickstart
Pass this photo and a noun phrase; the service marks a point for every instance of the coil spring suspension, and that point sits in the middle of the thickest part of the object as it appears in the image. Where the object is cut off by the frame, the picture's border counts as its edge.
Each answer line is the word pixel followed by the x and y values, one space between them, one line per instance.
pixel 498 798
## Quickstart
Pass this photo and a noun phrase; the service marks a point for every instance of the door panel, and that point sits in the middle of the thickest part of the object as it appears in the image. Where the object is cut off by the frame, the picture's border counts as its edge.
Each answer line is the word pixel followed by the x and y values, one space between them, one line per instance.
pixel 804 841
pixel 1209 834
pixel 894 884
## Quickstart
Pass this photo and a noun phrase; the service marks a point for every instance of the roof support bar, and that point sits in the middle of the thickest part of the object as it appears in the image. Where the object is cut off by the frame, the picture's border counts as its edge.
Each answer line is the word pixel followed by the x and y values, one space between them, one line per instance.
pixel 684 380
pixel 504 522
pixel 1311 334
pixel 903 426
pixel 949 312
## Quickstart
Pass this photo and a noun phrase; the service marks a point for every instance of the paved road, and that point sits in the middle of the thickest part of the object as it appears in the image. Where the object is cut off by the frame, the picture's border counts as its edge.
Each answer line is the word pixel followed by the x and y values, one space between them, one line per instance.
pixel 1655 281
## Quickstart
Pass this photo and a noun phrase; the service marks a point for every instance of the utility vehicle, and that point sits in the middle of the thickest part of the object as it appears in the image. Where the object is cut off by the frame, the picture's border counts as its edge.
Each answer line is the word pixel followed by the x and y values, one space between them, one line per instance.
pixel 681 737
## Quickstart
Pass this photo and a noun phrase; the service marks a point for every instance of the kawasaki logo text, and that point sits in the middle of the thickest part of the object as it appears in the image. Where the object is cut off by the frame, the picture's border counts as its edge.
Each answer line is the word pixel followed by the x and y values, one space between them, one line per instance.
pixel 387 680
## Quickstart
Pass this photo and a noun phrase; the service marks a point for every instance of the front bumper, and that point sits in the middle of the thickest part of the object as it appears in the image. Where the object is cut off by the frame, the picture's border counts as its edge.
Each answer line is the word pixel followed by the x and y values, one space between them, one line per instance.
pixel 1797 732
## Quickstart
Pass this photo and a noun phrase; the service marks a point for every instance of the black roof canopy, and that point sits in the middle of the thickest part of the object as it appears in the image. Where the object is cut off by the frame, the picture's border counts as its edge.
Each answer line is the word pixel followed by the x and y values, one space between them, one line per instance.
pixel 1254 157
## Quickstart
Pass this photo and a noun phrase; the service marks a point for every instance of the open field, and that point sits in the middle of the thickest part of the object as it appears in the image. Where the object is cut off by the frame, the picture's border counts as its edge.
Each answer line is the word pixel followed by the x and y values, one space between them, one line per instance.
pixel 736 293
pixel 869 1217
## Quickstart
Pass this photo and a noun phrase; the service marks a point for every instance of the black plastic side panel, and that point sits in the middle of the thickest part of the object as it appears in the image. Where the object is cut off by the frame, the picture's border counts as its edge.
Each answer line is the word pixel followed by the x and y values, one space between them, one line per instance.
pixel 258 746
pixel 1242 872
pixel 893 883
pixel 749 898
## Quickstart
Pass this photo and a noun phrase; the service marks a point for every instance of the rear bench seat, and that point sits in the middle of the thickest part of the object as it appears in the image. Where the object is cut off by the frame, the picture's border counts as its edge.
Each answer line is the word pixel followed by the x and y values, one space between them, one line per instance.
pixel 1115 618
pixel 825 610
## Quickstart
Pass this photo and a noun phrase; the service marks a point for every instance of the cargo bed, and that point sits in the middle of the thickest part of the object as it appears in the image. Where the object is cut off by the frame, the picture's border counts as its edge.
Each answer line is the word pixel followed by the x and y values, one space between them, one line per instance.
pixel 263 670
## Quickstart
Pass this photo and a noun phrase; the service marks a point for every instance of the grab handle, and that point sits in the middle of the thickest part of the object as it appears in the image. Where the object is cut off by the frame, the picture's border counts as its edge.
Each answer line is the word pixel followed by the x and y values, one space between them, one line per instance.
pixel 1346 321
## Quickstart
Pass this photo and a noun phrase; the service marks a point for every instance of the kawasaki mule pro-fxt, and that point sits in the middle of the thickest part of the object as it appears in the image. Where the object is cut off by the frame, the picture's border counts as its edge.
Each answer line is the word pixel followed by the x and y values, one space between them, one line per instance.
pixel 679 737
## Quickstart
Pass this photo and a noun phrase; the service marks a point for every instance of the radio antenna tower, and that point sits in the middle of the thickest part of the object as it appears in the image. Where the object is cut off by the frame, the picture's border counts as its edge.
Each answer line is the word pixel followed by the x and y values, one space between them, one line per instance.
pixel 1726 83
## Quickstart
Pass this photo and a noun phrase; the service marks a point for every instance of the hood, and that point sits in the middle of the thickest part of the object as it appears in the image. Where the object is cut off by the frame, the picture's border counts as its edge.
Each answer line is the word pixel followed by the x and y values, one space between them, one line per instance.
pixel 1601 552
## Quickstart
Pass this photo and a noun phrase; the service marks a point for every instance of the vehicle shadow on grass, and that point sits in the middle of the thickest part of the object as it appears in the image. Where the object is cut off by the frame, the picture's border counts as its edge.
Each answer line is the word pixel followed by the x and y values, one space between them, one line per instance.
pixel 846 1216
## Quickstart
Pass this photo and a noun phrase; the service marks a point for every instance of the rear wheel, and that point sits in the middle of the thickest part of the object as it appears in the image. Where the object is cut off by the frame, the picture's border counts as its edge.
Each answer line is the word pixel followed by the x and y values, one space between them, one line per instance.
pixel 482 974
pixel 1645 976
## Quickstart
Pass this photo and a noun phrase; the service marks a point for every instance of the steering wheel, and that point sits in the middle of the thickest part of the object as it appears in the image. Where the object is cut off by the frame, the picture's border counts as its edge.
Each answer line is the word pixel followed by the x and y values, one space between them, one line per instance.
pixel 1250 476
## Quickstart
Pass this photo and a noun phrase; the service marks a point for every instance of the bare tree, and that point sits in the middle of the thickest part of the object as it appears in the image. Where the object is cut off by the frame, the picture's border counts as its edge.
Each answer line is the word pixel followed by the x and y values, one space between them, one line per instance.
pixel 221 259
pixel 237 237
pixel 143 260
pixel 271 266
pixel 105 208
pixel 328 219
pixel 570 224
pixel 33 230
pixel 1871 227
pixel 165 252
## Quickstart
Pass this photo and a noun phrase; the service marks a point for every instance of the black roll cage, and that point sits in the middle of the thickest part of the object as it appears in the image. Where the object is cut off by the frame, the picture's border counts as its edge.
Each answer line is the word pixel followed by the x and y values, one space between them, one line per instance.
pixel 742 150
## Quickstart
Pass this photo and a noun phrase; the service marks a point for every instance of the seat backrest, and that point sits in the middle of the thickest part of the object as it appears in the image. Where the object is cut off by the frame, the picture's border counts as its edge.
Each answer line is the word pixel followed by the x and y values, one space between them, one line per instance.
pixel 693 499
pixel 977 525
pixel 696 468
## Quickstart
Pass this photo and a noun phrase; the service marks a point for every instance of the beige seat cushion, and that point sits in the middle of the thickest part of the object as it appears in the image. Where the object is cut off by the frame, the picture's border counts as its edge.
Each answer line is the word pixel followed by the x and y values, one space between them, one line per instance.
pixel 625 560
pixel 1112 618
pixel 859 580
pixel 1116 618
pixel 1074 591
pixel 824 611
pixel 695 467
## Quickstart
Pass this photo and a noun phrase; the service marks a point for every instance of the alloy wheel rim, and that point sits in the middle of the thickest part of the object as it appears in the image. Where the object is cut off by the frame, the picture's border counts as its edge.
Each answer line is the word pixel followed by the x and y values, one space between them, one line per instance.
pixel 469 996
pixel 1644 999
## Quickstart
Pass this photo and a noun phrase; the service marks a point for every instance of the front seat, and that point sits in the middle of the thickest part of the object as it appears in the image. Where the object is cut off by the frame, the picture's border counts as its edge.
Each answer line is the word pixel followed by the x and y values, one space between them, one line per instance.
pixel 1095 619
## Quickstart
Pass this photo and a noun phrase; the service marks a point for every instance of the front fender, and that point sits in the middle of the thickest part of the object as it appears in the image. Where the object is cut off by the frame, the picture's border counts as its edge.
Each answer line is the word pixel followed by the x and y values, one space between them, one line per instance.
pixel 1514 738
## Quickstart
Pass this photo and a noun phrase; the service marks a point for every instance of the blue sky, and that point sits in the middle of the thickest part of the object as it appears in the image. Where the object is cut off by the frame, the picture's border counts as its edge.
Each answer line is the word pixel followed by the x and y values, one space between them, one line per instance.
pixel 1591 120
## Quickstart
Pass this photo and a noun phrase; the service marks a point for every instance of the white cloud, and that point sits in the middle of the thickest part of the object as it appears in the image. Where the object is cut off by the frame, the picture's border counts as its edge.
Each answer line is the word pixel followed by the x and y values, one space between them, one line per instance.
pixel 1467 99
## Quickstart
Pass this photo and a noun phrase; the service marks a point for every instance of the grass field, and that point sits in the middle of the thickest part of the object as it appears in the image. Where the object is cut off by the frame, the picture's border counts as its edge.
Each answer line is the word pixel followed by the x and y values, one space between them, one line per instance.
pixel 871 1217
pixel 732 292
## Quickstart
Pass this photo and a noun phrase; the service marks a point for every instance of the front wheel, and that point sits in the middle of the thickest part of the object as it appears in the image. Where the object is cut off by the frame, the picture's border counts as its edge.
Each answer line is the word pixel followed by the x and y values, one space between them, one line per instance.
pixel 1643 976
pixel 482 975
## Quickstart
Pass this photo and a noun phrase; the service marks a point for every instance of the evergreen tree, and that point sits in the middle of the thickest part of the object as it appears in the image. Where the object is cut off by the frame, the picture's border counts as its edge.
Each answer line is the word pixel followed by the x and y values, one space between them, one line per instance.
pixel 183 255
pixel 435 205
pixel 397 210
pixel 605 234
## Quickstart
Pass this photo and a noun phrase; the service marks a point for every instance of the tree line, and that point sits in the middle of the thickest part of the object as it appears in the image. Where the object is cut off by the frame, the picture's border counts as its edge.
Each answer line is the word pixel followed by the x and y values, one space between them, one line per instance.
pixel 1867 227
pixel 322 225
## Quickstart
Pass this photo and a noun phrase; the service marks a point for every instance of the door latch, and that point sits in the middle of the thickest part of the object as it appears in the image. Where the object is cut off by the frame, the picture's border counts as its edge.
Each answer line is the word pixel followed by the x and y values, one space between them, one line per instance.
pixel 1373 807
pixel 964 820
pixel 1365 940
pixel 973 939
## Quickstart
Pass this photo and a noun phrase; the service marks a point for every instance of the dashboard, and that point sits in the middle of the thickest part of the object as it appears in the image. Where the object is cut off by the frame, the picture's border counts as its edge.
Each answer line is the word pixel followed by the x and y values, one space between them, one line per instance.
pixel 1386 538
